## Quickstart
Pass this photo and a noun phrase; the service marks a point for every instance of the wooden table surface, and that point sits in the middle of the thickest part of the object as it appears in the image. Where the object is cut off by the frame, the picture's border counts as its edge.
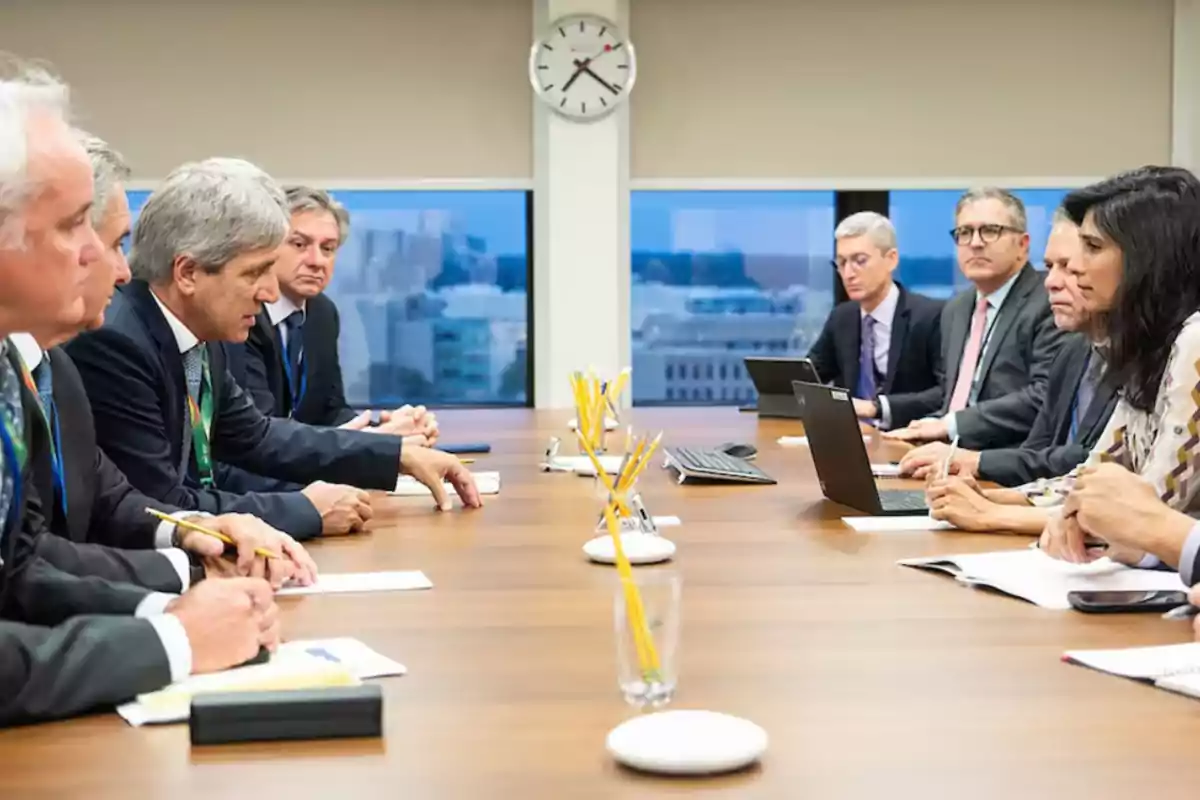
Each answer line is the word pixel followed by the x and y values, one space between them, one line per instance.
pixel 872 680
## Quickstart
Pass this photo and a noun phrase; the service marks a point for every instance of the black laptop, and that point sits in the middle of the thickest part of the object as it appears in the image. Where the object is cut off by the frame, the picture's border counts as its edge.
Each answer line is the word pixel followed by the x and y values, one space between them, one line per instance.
pixel 843 467
pixel 772 378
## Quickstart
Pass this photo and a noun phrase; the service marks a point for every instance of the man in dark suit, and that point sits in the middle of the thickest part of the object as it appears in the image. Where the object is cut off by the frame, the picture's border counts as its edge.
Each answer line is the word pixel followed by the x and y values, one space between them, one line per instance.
pixel 886 339
pixel 1079 400
pixel 167 408
pixel 998 337
pixel 54 662
pixel 289 364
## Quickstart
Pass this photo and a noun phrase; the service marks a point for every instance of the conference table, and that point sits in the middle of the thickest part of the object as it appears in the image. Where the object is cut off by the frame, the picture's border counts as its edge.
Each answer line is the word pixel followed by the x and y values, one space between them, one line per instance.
pixel 871 679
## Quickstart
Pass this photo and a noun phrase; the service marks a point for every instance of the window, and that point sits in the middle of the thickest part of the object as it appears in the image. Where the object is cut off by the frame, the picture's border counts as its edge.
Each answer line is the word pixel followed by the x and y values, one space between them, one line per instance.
pixel 923 219
pixel 717 273
pixel 432 291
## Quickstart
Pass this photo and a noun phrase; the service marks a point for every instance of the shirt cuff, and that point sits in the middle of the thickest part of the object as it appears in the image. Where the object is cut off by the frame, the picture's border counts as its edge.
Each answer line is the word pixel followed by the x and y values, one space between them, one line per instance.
pixel 175 642
pixel 1187 559
pixel 1149 561
pixel 153 604
pixel 885 413
pixel 181 565
pixel 164 534
pixel 951 421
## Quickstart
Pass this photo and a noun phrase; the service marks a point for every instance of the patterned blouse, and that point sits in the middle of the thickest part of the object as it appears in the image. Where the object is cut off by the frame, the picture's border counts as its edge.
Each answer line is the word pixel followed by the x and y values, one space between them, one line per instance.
pixel 1162 447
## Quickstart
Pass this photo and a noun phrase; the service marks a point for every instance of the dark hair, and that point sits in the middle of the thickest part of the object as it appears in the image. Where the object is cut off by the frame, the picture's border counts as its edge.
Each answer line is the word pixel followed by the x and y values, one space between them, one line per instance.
pixel 1153 215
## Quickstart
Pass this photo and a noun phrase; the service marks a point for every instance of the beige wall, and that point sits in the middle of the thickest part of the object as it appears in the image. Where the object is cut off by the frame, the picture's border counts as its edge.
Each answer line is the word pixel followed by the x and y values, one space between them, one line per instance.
pixel 758 89
pixel 899 88
pixel 341 89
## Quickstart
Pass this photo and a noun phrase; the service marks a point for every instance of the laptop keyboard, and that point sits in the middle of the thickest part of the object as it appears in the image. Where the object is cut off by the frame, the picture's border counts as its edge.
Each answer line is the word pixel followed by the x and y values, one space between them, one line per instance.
pixel 712 464
pixel 903 500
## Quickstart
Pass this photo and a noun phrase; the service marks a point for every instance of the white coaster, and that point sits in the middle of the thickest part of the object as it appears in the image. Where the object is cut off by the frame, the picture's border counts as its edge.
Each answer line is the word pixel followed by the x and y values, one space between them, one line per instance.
pixel 640 548
pixel 685 742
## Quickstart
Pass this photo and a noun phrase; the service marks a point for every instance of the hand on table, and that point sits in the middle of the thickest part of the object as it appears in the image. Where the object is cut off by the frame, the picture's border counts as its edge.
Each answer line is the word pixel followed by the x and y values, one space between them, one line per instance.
pixel 921 430
pixel 343 509
pixel 227 621
pixel 434 468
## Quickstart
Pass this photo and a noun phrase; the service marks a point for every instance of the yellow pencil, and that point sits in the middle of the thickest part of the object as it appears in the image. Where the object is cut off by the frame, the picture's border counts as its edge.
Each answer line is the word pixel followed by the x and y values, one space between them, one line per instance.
pixel 191 526
pixel 642 639
pixel 643 462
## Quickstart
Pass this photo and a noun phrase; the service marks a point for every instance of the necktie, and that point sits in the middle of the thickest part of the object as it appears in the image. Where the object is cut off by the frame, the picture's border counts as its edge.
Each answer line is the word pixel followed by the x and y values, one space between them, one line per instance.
pixel 1085 392
pixel 294 355
pixel 43 379
pixel 193 371
pixel 970 358
pixel 866 389
pixel 12 433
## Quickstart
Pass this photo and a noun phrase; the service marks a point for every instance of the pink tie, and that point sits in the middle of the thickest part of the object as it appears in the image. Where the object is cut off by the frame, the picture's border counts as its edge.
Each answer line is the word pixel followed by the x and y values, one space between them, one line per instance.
pixel 970 359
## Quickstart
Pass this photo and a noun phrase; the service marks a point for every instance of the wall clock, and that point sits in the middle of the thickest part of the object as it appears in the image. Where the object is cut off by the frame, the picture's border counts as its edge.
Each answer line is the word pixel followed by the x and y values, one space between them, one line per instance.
pixel 582 67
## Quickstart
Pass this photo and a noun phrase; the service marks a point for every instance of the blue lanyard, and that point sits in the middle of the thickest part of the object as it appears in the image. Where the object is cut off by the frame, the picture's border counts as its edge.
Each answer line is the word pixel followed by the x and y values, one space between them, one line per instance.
pixel 12 465
pixel 295 394
pixel 56 460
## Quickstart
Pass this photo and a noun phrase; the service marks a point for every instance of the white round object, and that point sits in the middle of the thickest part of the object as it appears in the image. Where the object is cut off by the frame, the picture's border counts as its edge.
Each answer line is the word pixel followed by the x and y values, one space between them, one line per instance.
pixel 640 548
pixel 582 67
pixel 686 742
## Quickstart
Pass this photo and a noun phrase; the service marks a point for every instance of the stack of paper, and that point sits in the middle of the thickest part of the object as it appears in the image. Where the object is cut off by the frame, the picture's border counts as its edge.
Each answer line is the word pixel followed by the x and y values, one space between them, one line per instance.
pixel 408 486
pixel 901 522
pixel 1175 667
pixel 295 665
pixel 583 464
pixel 334 583
pixel 1032 575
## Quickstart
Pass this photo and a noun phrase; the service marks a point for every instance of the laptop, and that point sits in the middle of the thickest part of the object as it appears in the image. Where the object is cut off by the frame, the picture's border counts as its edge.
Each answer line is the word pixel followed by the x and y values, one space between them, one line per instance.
pixel 772 378
pixel 840 456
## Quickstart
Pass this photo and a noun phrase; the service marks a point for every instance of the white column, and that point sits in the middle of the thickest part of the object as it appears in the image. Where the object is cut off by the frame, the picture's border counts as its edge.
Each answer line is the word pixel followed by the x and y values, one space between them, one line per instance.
pixel 1185 89
pixel 581 267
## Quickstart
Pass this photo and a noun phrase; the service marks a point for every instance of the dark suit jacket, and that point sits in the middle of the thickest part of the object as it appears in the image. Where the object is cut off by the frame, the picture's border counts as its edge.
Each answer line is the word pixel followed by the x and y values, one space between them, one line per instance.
pixel 257 366
pixel 133 373
pixel 914 351
pixel 101 505
pixel 85 661
pixel 1046 453
pixel 1022 345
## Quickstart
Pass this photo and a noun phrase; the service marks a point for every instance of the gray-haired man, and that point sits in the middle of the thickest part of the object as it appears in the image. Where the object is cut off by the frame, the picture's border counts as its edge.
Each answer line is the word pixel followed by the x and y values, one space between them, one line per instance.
pixel 166 406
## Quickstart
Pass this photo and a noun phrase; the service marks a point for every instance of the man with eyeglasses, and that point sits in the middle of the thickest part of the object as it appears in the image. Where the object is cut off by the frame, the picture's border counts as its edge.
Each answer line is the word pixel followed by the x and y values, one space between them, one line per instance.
pixel 998 337
pixel 887 339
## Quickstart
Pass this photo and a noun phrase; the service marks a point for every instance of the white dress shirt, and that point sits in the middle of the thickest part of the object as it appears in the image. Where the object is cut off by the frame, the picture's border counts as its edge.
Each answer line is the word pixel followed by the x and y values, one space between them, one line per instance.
pixel 280 310
pixel 995 301
pixel 884 316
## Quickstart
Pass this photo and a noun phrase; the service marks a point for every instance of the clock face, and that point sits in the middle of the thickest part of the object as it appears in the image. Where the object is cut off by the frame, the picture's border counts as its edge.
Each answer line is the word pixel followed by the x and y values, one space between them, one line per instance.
pixel 582 67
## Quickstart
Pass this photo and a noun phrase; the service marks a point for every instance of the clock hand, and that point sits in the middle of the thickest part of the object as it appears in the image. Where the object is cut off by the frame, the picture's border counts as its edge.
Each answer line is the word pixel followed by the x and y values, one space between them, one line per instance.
pixel 580 66
pixel 600 80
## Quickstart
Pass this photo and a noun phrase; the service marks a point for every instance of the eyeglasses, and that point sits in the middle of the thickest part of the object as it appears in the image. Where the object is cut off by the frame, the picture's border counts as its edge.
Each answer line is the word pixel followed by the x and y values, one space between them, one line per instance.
pixel 856 261
pixel 965 234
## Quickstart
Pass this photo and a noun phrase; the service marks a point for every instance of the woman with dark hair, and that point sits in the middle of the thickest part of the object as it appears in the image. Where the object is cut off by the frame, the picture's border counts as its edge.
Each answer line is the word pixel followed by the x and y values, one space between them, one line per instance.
pixel 1139 268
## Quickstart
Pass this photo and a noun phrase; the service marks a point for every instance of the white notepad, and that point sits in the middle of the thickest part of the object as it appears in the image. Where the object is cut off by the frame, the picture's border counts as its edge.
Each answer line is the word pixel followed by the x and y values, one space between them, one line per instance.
pixel 408 486
pixel 905 522
pixel 583 464
pixel 306 664
pixel 340 583
pixel 802 441
pixel 1032 575
pixel 1175 667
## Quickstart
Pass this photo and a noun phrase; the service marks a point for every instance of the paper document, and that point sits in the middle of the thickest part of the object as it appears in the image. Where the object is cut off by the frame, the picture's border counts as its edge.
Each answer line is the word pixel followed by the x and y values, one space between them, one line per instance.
pixel 802 441
pixel 408 486
pixel 1174 667
pixel 307 664
pixel 610 424
pixel 1032 575
pixel 906 522
pixel 667 522
pixel 582 465
pixel 338 583
pixel 885 470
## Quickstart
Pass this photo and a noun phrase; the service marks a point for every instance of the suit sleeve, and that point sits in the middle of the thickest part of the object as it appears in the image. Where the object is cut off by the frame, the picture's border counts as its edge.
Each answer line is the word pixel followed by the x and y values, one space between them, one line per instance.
pixel 1038 456
pixel 1010 417
pixel 823 354
pixel 293 451
pixel 119 517
pixel 87 662
pixel 338 411
pixel 131 429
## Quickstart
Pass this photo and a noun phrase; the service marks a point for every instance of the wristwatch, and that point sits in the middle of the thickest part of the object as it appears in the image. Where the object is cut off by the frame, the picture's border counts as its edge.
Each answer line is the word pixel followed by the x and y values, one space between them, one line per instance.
pixel 196 571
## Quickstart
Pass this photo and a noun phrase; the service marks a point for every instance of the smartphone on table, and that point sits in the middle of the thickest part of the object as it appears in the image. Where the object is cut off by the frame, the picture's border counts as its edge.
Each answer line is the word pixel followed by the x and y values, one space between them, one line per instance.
pixel 1129 601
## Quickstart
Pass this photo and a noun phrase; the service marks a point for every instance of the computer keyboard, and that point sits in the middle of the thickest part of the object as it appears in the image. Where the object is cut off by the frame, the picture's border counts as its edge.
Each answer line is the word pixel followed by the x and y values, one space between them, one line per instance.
pixel 707 464
pixel 903 500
